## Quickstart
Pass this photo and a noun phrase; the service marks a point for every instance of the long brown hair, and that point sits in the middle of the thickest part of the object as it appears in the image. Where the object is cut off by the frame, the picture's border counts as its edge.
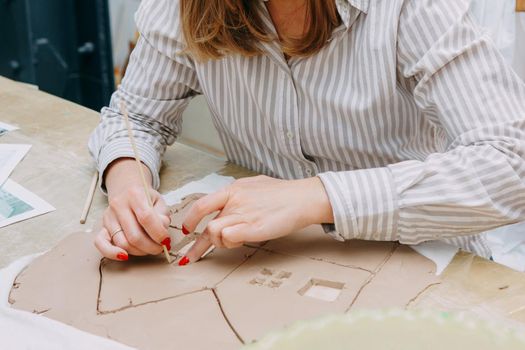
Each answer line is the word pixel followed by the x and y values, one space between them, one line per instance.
pixel 214 28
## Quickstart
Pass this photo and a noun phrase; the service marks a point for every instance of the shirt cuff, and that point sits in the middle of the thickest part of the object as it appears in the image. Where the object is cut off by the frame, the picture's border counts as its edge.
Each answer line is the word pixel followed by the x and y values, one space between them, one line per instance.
pixel 364 204
pixel 121 148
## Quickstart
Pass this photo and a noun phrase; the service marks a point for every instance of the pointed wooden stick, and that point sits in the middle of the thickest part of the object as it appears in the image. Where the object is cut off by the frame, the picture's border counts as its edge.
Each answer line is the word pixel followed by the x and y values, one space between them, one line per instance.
pixel 124 111
pixel 89 198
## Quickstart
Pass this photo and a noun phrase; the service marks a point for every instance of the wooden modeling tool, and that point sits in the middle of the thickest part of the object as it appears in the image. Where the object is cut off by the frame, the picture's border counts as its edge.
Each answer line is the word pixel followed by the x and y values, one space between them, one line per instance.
pixel 520 5
pixel 124 111
pixel 89 198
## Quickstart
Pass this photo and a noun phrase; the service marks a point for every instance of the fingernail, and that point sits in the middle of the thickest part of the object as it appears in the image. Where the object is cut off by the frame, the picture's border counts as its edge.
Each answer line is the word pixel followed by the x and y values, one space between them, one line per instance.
pixel 184 261
pixel 168 246
pixel 166 241
pixel 185 230
pixel 122 256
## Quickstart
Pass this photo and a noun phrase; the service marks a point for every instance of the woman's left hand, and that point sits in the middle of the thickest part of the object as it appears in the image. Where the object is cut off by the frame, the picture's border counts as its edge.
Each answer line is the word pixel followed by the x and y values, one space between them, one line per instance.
pixel 257 209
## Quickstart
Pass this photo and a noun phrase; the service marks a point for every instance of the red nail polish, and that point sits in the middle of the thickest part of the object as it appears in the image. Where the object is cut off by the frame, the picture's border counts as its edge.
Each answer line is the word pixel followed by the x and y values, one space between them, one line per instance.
pixel 185 230
pixel 166 241
pixel 184 261
pixel 168 247
pixel 122 256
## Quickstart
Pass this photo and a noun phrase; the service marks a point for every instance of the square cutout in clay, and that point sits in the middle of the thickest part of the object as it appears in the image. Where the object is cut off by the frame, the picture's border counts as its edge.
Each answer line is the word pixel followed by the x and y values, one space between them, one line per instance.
pixel 322 290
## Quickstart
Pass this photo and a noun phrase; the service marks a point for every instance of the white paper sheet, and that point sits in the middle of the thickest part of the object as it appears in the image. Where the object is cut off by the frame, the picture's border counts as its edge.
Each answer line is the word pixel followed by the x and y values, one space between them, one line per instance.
pixel 507 244
pixel 5 128
pixel 17 204
pixel 208 184
pixel 440 253
pixel 10 156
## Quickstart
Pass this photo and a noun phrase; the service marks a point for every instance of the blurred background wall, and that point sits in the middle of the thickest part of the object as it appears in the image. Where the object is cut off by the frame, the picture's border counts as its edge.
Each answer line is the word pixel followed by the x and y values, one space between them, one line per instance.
pixel 62 46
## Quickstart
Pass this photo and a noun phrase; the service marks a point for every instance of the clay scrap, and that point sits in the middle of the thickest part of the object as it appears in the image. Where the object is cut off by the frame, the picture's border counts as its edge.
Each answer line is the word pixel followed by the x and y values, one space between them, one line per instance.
pixel 228 298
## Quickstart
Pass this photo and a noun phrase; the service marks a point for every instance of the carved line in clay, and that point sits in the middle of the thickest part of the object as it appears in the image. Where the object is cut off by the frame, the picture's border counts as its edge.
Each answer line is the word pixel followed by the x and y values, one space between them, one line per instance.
pixel 274 281
pixel 373 275
pixel 309 257
pixel 226 317
pixel 418 295
pixel 103 312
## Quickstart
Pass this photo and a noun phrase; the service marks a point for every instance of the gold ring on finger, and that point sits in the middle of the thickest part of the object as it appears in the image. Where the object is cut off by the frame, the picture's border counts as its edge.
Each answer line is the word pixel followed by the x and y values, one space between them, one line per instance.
pixel 115 232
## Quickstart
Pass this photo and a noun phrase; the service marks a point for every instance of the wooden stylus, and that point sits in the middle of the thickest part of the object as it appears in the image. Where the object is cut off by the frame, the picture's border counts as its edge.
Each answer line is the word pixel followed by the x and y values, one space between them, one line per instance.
pixel 124 111
pixel 89 198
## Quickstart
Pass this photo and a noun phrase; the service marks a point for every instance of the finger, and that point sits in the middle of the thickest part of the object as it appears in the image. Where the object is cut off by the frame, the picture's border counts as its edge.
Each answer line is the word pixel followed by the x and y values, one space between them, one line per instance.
pixel 112 225
pixel 204 206
pixel 201 245
pixel 239 233
pixel 231 245
pixel 166 220
pixel 134 233
pixel 149 219
pixel 104 245
pixel 160 207
pixel 215 227
pixel 120 240
pixel 159 204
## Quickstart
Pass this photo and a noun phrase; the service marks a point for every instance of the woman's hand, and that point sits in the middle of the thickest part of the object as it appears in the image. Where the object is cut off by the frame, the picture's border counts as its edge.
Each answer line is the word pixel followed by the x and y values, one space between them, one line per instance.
pixel 130 226
pixel 257 209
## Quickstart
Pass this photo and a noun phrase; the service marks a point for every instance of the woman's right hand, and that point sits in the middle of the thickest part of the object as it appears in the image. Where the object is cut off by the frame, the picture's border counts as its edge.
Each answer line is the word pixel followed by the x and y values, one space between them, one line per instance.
pixel 130 225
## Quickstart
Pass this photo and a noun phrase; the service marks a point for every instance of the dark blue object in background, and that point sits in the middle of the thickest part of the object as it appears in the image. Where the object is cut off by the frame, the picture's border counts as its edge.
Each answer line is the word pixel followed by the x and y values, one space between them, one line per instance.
pixel 63 46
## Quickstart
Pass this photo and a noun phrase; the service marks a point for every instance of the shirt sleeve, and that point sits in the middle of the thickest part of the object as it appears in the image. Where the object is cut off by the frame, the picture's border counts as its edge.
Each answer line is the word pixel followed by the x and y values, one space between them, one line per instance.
pixel 158 85
pixel 461 83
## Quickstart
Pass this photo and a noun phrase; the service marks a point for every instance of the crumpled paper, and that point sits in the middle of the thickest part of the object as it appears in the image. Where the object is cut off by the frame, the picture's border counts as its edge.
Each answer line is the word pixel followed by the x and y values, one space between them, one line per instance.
pixel 507 244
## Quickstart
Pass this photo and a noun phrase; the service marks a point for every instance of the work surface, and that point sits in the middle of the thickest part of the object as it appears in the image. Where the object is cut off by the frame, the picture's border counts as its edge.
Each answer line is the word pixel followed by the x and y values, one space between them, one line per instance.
pixel 59 169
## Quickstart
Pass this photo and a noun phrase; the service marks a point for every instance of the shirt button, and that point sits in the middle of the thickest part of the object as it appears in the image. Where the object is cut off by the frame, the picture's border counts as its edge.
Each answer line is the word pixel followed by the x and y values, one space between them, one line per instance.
pixel 289 134
pixel 308 172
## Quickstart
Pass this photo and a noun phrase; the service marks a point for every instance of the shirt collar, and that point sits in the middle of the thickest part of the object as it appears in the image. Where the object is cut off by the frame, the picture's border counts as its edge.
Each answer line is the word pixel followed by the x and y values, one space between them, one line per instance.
pixel 346 9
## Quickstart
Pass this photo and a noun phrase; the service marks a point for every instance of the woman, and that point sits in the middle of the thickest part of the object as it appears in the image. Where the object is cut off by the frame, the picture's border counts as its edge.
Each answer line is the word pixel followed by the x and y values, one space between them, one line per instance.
pixel 382 120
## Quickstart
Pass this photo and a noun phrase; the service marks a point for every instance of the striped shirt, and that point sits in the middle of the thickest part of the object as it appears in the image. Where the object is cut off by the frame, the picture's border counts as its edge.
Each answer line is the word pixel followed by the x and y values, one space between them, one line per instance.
pixel 408 115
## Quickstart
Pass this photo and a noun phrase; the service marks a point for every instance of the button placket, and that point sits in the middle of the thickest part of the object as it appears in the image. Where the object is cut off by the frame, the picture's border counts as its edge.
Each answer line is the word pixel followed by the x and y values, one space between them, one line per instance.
pixel 291 127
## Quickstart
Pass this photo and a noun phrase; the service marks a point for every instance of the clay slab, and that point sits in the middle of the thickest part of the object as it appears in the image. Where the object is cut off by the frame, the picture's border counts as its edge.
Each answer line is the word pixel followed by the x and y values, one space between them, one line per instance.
pixel 63 283
pixel 400 281
pixel 240 294
pixel 314 243
pixel 148 279
pixel 192 321
pixel 70 296
pixel 266 292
